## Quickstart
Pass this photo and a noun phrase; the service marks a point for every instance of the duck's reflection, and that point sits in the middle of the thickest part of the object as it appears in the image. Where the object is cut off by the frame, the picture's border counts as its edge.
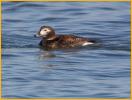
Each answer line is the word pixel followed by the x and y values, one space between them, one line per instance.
pixel 46 61
pixel 46 54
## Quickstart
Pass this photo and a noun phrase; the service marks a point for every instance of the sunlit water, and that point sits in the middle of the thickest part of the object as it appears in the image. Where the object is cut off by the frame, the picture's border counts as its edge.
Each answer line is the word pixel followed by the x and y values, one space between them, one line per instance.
pixel 100 71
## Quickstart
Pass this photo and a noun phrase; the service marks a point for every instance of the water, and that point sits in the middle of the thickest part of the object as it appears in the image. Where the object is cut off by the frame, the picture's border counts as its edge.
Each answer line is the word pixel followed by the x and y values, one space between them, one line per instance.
pixel 100 71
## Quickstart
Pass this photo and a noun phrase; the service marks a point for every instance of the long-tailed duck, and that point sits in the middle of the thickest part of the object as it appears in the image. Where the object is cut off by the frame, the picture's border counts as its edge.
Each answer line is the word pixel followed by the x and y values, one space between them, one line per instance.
pixel 53 41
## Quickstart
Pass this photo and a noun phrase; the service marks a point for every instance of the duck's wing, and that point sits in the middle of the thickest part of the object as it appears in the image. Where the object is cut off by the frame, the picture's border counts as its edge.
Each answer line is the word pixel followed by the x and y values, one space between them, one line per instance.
pixel 72 40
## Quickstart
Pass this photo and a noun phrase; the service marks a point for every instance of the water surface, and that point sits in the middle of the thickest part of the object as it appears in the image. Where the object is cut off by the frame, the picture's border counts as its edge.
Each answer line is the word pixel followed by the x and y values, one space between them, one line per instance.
pixel 100 71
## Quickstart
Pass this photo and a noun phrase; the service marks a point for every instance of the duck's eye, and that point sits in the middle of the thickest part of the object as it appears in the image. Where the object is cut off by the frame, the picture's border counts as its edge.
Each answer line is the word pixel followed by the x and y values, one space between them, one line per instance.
pixel 45 30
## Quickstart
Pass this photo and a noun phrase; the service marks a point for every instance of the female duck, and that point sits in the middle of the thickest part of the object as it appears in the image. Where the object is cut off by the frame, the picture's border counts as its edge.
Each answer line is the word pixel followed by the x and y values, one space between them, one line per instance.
pixel 53 41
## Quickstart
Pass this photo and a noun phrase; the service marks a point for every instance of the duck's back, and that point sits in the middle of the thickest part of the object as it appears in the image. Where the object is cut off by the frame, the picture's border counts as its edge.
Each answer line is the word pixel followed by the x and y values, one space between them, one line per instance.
pixel 72 41
pixel 66 41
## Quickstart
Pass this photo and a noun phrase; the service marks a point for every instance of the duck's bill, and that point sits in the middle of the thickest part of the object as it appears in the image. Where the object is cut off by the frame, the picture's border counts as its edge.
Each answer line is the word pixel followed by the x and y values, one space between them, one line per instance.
pixel 41 36
pixel 36 35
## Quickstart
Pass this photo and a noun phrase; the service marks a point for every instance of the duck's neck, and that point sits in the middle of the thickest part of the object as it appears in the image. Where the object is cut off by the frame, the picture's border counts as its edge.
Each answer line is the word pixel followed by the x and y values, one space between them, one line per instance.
pixel 51 38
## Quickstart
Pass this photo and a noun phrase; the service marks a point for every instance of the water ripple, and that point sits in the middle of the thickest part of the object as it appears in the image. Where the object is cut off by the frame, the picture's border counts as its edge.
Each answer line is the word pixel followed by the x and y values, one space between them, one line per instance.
pixel 98 71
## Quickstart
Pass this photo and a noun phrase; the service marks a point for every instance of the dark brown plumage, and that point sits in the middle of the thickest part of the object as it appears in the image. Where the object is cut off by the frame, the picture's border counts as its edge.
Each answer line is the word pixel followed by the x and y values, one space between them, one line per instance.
pixel 52 41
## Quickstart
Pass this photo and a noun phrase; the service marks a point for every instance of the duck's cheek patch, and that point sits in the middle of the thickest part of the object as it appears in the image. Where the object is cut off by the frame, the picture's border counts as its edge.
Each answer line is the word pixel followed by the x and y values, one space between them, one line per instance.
pixel 43 33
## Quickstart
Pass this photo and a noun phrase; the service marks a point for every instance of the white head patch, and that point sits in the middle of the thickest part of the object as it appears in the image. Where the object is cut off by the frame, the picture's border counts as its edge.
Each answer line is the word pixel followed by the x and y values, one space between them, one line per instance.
pixel 44 31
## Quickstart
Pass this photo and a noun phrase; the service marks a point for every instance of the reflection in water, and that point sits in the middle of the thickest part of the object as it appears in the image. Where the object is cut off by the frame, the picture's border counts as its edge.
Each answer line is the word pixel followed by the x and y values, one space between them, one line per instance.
pixel 46 54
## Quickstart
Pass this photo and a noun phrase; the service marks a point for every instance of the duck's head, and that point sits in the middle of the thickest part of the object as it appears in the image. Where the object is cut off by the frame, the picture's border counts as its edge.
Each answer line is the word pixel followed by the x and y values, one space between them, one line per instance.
pixel 46 32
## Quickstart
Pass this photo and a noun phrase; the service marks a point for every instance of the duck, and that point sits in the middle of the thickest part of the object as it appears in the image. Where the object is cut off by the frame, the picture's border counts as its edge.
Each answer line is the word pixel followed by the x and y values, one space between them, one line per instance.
pixel 51 40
